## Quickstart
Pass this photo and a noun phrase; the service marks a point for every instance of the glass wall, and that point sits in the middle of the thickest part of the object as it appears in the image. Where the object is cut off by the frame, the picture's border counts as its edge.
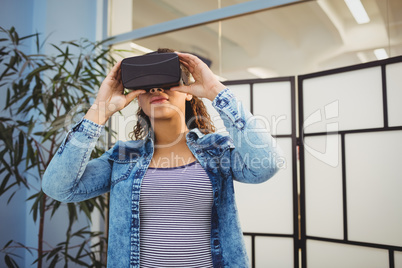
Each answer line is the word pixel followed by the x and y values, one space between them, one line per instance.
pixel 300 38
pixel 136 14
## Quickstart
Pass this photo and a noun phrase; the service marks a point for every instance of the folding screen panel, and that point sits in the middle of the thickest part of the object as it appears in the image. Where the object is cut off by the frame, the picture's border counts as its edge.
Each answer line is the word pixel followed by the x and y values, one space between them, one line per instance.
pixel 394 93
pixel 351 133
pixel 268 211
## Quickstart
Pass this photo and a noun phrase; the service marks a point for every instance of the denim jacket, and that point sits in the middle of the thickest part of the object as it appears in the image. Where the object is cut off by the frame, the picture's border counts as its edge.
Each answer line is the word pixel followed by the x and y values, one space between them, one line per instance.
pixel 248 155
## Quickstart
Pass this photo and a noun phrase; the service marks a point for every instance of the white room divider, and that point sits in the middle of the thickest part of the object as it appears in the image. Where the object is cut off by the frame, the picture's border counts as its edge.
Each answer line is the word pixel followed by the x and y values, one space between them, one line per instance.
pixel 268 211
pixel 351 202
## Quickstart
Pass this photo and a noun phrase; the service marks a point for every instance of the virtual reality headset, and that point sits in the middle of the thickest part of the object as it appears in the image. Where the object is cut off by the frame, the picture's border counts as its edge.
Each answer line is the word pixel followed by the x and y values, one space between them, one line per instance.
pixel 153 70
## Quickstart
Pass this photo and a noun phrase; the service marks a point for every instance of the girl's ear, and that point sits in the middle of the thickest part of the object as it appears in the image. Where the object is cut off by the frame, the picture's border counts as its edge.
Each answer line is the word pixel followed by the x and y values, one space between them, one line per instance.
pixel 189 97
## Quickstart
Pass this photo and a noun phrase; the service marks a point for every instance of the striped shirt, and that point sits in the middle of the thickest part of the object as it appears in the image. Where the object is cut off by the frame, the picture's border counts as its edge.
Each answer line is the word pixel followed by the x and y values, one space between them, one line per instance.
pixel 175 217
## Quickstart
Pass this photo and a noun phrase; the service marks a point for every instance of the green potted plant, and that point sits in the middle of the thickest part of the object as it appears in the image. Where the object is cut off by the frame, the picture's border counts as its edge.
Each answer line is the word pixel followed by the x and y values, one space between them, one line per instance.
pixel 44 95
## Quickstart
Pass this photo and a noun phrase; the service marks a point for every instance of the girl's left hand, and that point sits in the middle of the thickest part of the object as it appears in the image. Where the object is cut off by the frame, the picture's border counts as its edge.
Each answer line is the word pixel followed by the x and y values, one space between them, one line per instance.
pixel 206 84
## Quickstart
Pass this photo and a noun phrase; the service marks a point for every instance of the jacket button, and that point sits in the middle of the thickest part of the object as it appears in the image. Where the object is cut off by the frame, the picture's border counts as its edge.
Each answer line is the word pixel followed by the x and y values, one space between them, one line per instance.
pixel 240 124
pixel 216 243
pixel 216 194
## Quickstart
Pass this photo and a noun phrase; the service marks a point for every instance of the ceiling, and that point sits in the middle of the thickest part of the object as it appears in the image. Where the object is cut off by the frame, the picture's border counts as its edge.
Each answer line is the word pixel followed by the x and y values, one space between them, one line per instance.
pixel 296 39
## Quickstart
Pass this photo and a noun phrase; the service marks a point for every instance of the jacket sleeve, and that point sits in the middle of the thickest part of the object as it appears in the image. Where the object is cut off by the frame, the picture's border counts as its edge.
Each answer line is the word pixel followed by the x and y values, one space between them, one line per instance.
pixel 255 154
pixel 70 176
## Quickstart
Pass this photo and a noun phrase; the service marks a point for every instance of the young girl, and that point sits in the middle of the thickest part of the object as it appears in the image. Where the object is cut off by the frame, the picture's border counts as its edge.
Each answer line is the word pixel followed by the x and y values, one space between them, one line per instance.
pixel 172 198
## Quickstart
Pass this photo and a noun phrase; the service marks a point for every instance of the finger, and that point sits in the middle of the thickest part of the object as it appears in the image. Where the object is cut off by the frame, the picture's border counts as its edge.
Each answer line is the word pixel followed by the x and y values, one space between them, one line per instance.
pixel 183 89
pixel 185 56
pixel 185 64
pixel 191 62
pixel 187 59
pixel 115 70
pixel 190 66
pixel 190 59
pixel 118 77
pixel 134 94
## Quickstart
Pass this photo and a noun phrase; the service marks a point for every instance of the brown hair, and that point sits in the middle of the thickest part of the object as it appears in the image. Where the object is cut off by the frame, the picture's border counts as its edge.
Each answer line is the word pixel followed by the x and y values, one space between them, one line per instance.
pixel 196 113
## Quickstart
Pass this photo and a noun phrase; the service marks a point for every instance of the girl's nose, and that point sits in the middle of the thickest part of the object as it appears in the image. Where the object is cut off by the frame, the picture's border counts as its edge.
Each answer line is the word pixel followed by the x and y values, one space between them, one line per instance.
pixel 156 90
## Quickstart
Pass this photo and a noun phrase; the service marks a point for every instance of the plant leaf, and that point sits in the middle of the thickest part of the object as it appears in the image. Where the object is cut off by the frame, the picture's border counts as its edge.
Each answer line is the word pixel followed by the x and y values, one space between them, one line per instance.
pixel 10 262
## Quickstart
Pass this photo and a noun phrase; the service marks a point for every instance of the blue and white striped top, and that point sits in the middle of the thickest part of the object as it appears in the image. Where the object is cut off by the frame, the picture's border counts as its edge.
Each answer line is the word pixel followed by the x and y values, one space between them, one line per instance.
pixel 175 217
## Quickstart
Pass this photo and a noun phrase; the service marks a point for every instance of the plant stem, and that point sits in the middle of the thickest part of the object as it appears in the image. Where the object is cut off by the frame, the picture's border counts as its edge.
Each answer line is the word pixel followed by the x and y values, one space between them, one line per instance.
pixel 41 228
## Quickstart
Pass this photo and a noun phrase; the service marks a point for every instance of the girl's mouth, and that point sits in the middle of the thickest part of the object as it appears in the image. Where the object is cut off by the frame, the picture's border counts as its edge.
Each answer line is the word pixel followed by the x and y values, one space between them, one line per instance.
pixel 158 100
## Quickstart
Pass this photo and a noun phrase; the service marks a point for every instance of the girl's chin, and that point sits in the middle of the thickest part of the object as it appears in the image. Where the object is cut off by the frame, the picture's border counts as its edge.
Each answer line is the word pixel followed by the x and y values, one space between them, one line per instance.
pixel 163 112
pixel 163 116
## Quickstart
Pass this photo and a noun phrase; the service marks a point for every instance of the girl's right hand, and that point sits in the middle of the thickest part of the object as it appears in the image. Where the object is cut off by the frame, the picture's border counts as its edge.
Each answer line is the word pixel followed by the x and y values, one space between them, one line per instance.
pixel 110 98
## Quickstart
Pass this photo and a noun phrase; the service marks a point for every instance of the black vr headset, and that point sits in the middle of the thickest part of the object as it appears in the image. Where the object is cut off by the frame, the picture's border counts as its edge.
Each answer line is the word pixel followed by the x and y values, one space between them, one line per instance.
pixel 153 70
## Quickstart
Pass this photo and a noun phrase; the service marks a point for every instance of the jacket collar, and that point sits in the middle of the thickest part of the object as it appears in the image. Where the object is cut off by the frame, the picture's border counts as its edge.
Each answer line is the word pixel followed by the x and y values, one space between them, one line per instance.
pixel 194 134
